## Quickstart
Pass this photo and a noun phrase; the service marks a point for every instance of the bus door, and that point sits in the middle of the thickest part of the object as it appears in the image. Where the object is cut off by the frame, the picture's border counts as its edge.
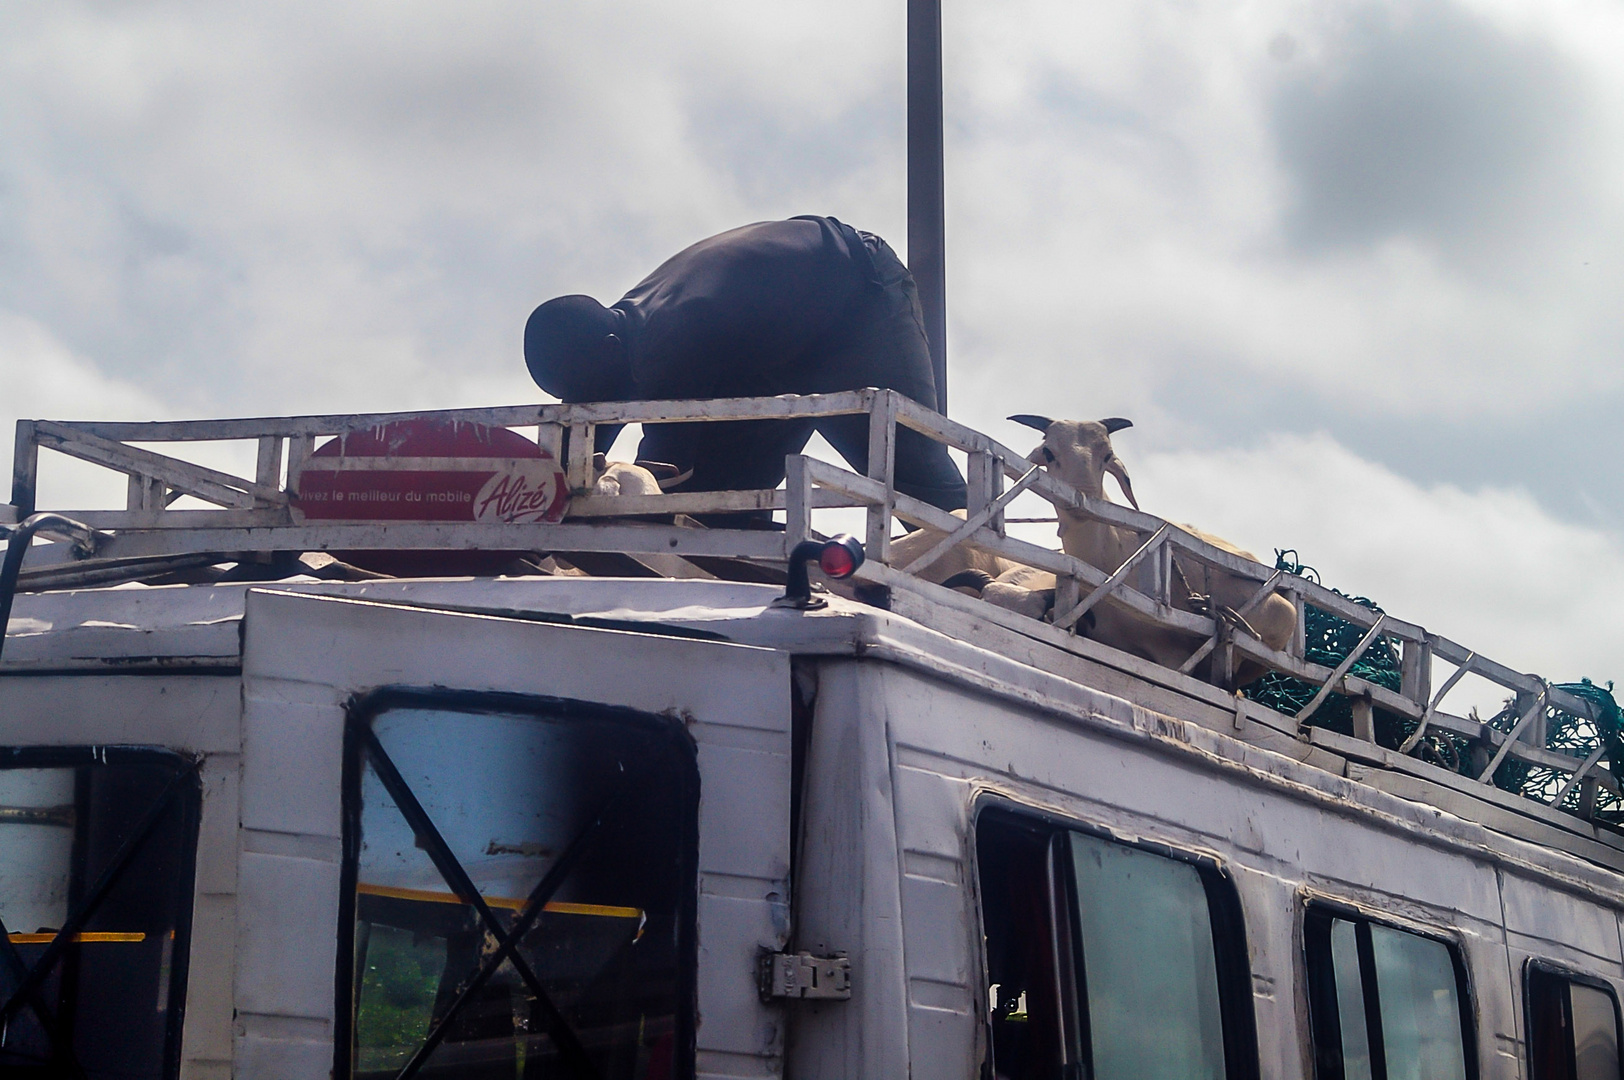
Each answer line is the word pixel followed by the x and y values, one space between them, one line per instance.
pixel 483 846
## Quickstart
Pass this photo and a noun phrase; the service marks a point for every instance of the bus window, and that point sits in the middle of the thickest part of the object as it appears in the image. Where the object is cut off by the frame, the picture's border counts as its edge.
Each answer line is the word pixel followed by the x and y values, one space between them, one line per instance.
pixel 1108 960
pixel 1385 1004
pixel 1573 1026
pixel 98 847
pixel 1149 964
pixel 522 891
pixel 1018 912
pixel 1350 1002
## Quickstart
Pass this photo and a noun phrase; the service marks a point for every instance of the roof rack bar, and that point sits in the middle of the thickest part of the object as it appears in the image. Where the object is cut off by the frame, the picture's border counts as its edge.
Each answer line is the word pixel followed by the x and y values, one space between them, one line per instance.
pixel 971 524
pixel 24 470
pixel 1432 706
pixel 1536 709
pixel 196 480
pixel 1117 577
pixel 1342 669
pixel 1580 773
pixel 842 403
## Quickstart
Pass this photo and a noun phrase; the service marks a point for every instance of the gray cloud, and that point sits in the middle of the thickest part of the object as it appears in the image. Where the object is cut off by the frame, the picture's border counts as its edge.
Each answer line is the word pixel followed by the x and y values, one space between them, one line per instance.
pixel 310 206
pixel 1427 120
pixel 303 208
pixel 1565 457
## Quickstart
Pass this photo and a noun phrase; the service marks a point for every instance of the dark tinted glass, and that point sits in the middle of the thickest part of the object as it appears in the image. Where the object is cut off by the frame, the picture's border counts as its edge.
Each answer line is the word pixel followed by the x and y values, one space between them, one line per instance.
pixel 1595 1033
pixel 1018 912
pixel 1420 1006
pixel 1149 965
pixel 99 844
pixel 1350 1001
pixel 1386 1004
pixel 511 794
pixel 1572 1028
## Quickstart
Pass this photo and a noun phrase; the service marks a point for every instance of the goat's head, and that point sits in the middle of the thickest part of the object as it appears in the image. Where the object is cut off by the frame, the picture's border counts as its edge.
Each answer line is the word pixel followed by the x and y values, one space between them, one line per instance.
pixel 660 474
pixel 1079 452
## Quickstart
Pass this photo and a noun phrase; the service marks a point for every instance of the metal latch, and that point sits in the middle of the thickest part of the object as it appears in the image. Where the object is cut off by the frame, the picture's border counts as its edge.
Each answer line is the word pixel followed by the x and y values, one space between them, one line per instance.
pixel 802 975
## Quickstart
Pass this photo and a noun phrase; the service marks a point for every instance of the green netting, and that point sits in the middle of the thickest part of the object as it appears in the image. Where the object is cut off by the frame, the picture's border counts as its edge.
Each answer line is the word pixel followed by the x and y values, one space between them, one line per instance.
pixel 1328 641
pixel 1568 734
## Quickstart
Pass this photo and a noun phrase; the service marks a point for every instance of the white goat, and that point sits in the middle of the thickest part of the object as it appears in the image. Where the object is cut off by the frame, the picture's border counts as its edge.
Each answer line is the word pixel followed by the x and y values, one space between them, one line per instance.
pixel 962 559
pixel 1080 453
pixel 968 568
pixel 626 478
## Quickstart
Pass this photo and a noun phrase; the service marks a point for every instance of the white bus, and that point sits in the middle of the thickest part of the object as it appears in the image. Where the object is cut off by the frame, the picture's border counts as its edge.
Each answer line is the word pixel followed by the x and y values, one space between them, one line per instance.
pixel 547 824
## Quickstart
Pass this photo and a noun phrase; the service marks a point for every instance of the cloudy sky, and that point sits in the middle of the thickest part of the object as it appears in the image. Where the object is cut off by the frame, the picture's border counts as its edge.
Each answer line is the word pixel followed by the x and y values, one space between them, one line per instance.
pixel 1353 266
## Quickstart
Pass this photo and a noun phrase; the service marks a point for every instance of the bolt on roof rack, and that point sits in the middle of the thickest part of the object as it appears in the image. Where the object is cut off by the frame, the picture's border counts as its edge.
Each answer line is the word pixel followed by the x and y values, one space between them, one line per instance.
pixel 255 516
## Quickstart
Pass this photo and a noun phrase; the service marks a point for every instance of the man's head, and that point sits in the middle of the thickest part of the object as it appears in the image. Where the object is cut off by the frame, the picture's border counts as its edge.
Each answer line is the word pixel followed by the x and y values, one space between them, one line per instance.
pixel 574 351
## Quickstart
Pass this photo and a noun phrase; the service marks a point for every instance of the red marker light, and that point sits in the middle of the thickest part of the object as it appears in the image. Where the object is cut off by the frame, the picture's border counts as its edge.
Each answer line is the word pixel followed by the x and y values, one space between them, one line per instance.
pixel 841 557
pixel 836 562
pixel 837 558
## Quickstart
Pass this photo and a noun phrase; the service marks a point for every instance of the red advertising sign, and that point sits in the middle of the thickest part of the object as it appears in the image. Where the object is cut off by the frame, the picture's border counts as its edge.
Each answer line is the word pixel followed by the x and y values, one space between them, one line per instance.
pixel 421 470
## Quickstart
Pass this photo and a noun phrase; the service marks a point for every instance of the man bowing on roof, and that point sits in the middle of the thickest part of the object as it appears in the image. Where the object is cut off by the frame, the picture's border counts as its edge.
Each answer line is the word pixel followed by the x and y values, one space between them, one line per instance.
pixel 804 306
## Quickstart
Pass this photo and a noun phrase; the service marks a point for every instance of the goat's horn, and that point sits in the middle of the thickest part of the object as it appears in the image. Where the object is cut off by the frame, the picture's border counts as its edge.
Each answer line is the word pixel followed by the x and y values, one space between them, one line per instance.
pixel 1114 424
pixel 1042 423
pixel 662 470
pixel 972 578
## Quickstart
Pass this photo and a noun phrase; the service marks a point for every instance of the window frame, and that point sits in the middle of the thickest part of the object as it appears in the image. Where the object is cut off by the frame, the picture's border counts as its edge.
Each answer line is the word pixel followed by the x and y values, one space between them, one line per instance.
pixel 1231 952
pixel 185 785
pixel 1536 965
pixel 1319 981
pixel 359 713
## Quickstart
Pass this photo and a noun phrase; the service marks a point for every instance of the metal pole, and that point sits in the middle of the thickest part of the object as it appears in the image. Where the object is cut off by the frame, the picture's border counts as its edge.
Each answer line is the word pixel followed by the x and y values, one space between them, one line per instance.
pixel 927 253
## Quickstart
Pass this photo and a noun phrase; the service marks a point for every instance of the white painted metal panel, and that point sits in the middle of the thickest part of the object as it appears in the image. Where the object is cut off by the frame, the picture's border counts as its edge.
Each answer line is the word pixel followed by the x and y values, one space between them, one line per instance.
pixel 208 1037
pixel 187 713
pixel 292 759
pixel 1274 913
pixel 1499 1030
pixel 1537 914
pixel 287 916
pixel 944 1002
pixel 304 656
pixel 898 756
pixel 847 899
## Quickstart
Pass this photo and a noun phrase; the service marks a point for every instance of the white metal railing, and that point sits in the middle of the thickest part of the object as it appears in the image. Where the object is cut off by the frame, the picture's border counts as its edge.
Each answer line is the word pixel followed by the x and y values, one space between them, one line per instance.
pixel 253 515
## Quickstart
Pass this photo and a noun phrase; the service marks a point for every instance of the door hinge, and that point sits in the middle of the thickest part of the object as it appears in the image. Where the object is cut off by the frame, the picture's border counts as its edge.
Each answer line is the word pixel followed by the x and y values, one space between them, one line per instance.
pixel 804 976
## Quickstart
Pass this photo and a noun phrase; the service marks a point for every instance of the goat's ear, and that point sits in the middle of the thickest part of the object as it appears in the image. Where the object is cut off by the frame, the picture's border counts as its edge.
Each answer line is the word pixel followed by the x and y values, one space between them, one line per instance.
pixel 1114 424
pixel 1042 423
pixel 600 462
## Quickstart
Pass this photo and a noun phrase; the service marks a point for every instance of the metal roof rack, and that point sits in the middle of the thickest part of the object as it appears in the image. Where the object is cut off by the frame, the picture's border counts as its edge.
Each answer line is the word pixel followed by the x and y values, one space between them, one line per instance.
pixel 255 516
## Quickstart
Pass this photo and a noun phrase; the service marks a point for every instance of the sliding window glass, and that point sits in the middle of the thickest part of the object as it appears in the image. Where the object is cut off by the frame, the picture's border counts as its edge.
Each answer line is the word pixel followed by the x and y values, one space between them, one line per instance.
pixel 1385 1003
pixel 1573 1025
pixel 97 847
pixel 1109 960
pixel 520 890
